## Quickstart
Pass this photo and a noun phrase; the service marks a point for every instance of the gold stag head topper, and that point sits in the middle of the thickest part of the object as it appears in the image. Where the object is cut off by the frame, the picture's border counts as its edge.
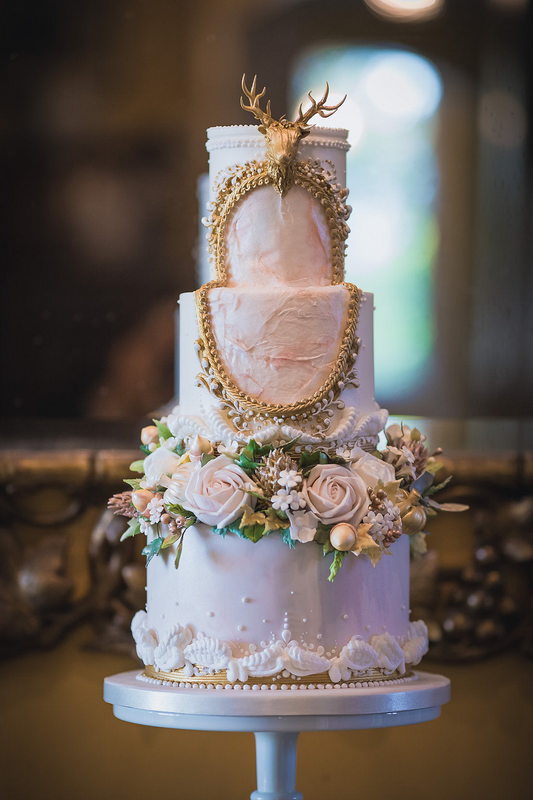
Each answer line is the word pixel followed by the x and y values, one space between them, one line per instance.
pixel 283 137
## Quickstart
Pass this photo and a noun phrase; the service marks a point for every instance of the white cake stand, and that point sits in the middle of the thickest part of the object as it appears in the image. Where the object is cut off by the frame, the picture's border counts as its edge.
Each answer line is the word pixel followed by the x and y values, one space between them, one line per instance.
pixel 276 717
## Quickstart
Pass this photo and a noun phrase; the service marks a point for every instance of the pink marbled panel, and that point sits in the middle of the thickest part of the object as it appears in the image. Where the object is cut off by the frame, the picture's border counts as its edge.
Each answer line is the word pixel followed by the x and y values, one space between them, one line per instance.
pixel 279 345
pixel 278 240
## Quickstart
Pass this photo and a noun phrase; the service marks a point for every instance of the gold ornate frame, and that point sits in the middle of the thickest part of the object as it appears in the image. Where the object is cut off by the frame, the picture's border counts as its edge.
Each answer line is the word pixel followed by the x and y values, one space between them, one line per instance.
pixel 230 189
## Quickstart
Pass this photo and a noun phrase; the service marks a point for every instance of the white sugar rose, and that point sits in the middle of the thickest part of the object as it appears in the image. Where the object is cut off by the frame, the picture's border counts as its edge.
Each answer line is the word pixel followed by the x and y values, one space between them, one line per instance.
pixel 175 494
pixel 372 470
pixel 159 464
pixel 336 494
pixel 215 494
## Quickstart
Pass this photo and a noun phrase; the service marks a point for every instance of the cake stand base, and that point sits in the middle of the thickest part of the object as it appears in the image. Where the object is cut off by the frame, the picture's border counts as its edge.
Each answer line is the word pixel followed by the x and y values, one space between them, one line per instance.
pixel 276 717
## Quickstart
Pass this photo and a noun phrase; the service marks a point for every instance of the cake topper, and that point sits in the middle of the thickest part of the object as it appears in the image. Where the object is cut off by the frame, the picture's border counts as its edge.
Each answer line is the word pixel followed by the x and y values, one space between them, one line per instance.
pixel 283 137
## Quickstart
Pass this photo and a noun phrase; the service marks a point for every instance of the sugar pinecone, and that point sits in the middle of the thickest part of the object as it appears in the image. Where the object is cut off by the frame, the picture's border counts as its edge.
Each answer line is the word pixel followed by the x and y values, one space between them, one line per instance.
pixel 268 473
pixel 121 504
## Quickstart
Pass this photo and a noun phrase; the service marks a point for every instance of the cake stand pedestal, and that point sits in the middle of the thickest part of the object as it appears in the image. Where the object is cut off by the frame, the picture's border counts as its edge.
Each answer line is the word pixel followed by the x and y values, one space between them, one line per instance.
pixel 276 717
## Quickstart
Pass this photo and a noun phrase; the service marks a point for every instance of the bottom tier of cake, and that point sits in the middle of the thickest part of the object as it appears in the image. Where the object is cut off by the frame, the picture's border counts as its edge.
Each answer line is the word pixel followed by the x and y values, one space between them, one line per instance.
pixel 235 611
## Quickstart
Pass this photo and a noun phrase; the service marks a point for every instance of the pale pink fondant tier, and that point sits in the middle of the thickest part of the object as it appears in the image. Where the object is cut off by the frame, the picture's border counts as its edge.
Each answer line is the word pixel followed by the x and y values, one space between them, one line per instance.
pixel 274 240
pixel 279 344
pixel 243 593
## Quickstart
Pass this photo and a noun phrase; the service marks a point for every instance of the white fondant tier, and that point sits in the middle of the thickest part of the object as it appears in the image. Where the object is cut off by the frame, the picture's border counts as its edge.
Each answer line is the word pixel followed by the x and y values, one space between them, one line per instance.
pixel 200 413
pixel 257 610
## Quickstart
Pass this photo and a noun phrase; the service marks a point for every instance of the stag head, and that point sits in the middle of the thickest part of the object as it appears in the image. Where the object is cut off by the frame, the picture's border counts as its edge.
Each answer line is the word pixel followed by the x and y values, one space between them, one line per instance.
pixel 283 137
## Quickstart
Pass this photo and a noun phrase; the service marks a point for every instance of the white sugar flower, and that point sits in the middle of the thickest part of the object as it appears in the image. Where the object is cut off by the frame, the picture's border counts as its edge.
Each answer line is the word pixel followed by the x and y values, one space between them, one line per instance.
pixel 232 447
pixel 155 508
pixel 281 500
pixel 289 478
pixel 303 525
pixel 144 525
pixel 287 499
pixel 169 444
pixel 296 500
pixel 402 461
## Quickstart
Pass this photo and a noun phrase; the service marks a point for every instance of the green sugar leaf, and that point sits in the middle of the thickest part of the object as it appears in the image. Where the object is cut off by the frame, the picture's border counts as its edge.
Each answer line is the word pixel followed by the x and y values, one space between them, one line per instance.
pixel 175 508
pixel 152 549
pixel 336 564
pixel 253 532
pixel 162 429
pixel 327 548
pixel 290 444
pixel 134 527
pixel 137 466
pixel 286 536
pixel 135 483
pixel 178 553
pixel 433 489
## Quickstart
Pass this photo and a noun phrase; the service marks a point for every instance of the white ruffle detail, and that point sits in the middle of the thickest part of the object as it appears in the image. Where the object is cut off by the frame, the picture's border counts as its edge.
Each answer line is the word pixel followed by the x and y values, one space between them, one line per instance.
pixel 210 653
pixel 180 648
pixel 145 638
pixel 213 425
pixel 415 645
pixel 390 653
pixel 165 653
pixel 356 656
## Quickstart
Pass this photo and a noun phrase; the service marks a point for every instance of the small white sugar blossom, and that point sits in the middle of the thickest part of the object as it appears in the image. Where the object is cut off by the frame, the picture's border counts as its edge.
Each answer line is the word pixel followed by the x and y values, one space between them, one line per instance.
pixel 303 525
pixel 232 447
pixel 380 523
pixel 169 444
pixel 350 454
pixel 286 499
pixel 155 509
pixel 289 478
pixel 144 525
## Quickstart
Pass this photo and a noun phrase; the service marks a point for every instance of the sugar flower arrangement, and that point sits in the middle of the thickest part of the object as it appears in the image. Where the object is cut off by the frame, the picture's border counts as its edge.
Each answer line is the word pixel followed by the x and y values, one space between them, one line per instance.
pixel 350 502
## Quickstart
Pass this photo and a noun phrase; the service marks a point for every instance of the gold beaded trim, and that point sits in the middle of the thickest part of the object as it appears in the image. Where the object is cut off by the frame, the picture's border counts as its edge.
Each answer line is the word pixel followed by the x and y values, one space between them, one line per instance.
pixel 220 678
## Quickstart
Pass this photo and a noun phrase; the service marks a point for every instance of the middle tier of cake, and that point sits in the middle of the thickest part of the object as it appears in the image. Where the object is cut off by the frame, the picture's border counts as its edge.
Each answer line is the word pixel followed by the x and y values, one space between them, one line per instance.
pixel 279 346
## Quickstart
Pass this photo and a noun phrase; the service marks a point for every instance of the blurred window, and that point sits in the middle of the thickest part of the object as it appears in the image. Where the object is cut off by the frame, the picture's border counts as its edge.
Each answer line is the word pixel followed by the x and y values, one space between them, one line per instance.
pixel 392 114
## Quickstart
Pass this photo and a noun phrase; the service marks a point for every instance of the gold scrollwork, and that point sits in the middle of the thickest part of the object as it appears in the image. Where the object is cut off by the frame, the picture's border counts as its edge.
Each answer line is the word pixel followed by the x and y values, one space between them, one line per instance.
pixel 231 187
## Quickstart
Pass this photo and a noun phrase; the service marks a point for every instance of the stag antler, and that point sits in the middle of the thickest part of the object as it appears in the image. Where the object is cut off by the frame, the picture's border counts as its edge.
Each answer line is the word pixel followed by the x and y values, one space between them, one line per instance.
pixel 317 108
pixel 263 116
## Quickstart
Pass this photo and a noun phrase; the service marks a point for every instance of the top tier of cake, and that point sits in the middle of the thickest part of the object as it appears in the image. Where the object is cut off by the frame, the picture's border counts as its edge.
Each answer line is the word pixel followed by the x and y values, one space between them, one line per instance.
pixel 269 239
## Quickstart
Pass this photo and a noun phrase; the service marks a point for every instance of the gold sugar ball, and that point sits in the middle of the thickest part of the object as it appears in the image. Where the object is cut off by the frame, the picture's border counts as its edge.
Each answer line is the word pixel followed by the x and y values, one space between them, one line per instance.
pixel 343 536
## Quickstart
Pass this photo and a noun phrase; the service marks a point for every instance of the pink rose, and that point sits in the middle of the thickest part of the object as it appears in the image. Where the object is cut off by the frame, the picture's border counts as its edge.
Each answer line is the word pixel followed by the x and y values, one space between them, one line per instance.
pixel 336 494
pixel 215 494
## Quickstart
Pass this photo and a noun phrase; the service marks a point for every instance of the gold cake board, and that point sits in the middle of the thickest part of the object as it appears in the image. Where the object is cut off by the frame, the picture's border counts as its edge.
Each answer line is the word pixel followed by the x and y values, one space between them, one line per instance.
pixel 220 678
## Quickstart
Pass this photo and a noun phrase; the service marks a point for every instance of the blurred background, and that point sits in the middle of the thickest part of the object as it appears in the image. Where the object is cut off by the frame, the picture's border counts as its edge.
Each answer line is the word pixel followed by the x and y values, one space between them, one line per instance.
pixel 103 111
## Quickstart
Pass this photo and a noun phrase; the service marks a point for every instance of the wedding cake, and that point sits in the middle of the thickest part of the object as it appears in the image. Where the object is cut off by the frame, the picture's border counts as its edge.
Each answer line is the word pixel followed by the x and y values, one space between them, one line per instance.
pixel 278 535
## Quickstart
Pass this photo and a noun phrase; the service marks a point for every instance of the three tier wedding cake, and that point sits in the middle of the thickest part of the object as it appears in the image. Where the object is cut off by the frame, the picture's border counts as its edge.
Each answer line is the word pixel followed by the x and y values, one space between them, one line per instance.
pixel 278 535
